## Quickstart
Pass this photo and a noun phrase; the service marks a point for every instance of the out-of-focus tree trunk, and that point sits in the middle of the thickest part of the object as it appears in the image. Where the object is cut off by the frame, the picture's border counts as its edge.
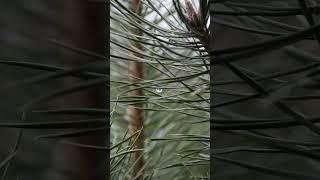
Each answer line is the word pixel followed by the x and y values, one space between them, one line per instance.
pixel 84 24
pixel 135 113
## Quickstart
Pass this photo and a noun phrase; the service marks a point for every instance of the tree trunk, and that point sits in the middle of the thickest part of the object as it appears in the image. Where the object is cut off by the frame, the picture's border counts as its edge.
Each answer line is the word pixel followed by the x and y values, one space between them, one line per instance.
pixel 84 24
pixel 135 113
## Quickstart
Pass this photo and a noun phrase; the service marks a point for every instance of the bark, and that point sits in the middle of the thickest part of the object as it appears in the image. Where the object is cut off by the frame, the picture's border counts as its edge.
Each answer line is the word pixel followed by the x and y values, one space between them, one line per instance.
pixel 84 24
pixel 135 113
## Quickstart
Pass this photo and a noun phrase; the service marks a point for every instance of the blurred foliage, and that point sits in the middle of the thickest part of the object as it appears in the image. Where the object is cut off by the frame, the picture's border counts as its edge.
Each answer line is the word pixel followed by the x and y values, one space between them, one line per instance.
pixel 265 59
pixel 34 118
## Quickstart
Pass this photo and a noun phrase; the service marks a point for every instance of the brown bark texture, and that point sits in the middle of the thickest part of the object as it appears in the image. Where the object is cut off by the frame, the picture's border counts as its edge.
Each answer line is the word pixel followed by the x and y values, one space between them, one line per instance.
pixel 135 112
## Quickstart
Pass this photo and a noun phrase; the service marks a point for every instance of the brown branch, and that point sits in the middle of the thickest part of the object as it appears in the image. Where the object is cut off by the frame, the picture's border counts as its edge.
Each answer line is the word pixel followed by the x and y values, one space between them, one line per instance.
pixel 135 113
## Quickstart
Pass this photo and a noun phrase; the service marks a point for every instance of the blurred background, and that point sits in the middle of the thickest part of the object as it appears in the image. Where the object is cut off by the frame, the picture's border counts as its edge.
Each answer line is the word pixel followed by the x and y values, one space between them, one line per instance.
pixel 39 41
pixel 265 95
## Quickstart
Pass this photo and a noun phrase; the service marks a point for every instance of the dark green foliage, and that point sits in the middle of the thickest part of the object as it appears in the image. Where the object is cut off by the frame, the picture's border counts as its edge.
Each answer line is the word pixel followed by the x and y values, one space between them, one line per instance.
pixel 264 68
